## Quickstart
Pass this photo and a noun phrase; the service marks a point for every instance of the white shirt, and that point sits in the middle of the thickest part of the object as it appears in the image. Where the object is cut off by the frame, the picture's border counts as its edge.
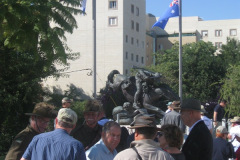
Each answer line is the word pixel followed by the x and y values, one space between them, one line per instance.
pixel 233 131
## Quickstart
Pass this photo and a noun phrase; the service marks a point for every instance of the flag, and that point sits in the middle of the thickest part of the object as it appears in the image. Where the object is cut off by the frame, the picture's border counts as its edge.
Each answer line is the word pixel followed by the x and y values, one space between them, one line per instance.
pixel 83 6
pixel 172 11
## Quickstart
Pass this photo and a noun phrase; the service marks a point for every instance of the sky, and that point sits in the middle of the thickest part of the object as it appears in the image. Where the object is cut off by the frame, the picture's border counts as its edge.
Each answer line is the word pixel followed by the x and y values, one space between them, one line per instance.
pixel 205 9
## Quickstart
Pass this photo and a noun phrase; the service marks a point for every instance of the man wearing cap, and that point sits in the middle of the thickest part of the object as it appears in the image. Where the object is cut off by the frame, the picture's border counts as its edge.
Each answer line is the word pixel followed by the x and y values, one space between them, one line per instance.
pixel 205 119
pixel 169 107
pixel 198 145
pixel 104 149
pixel 66 102
pixel 174 116
pixel 90 132
pixel 222 150
pixel 39 120
pixel 235 129
pixel 144 147
pixel 57 144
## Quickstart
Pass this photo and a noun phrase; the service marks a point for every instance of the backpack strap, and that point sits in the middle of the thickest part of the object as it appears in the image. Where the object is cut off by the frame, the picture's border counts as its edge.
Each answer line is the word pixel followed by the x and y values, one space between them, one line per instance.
pixel 134 148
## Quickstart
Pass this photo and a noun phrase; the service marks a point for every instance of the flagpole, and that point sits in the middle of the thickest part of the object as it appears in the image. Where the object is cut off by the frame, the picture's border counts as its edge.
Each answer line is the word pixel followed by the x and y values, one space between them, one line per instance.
pixel 94 47
pixel 180 49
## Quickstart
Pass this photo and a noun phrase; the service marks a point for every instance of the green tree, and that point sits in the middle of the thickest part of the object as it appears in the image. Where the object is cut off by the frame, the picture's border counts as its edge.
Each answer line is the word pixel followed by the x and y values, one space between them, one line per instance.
pixel 32 41
pixel 201 73
pixel 27 26
pixel 231 90
pixel 230 53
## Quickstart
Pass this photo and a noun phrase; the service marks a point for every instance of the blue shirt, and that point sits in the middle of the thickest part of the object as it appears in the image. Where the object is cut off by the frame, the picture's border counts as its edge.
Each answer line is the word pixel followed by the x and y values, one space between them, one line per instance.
pixel 55 145
pixel 100 152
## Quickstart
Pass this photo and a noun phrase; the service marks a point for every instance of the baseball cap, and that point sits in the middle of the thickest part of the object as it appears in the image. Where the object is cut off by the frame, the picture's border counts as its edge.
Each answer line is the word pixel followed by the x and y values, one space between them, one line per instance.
pixel 169 103
pixel 67 115
pixel 66 99
pixel 222 129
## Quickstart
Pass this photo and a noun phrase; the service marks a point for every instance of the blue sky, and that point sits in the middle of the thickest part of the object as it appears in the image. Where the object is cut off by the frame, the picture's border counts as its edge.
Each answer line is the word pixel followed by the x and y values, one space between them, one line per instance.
pixel 206 9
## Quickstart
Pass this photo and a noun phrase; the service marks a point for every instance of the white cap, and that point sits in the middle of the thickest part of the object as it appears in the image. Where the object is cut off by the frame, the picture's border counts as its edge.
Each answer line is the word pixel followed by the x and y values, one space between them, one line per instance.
pixel 67 115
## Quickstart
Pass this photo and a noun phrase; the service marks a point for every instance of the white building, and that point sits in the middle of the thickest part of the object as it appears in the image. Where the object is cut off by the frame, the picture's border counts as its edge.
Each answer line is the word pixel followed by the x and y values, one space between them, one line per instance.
pixel 120 42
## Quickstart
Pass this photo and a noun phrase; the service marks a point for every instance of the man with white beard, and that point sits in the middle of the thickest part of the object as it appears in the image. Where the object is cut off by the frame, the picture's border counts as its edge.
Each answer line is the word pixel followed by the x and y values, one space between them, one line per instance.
pixel 90 131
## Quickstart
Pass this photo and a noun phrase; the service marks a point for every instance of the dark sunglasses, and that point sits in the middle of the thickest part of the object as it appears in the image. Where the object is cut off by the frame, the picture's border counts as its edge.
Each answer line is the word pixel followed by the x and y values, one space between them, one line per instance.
pixel 159 134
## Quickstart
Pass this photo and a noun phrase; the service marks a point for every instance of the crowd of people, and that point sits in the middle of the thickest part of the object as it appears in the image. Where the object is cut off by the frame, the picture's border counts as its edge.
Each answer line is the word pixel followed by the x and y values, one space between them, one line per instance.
pixel 185 134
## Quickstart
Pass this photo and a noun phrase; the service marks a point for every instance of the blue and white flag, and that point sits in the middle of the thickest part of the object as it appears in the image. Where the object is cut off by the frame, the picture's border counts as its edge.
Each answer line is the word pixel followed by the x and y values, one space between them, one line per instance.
pixel 172 11
pixel 83 6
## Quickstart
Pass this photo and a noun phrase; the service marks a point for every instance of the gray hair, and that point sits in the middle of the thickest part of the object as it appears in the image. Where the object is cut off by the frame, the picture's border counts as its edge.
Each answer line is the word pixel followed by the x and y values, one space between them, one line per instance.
pixel 107 126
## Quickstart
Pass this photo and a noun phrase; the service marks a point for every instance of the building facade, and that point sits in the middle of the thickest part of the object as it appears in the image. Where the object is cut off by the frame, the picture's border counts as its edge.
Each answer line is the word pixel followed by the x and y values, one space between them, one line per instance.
pixel 120 43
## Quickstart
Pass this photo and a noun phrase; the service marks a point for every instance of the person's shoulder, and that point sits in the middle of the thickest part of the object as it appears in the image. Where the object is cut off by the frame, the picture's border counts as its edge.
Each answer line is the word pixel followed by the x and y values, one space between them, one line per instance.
pixel 127 154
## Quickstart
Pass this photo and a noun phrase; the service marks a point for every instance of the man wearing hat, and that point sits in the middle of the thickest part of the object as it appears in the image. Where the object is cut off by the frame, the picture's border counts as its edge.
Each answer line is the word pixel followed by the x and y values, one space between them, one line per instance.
pixel 169 107
pixel 174 117
pixel 39 120
pixel 144 147
pixel 90 132
pixel 222 150
pixel 235 129
pixel 57 144
pixel 66 102
pixel 205 119
pixel 198 145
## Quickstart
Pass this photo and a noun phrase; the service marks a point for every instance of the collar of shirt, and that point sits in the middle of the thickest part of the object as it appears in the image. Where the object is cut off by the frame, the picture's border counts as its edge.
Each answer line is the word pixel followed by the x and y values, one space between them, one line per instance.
pixel 193 125
pixel 106 150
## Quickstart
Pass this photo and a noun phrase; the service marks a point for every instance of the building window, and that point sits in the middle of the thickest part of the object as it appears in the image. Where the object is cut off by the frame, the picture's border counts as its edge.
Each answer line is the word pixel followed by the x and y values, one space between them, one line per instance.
pixel 218 45
pixel 126 55
pixel 132 9
pixel 126 71
pixel 132 56
pixel 137 27
pixel 126 39
pixel 112 21
pixel 218 33
pixel 233 32
pixel 137 11
pixel 142 44
pixel 142 59
pixel 137 42
pixel 136 58
pixel 132 24
pixel 112 4
pixel 204 33
pixel 132 40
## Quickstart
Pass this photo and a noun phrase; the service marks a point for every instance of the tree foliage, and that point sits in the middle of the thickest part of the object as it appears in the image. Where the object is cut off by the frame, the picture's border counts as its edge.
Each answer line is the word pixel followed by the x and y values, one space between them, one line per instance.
pixel 201 69
pixel 27 26
pixel 32 41
pixel 231 90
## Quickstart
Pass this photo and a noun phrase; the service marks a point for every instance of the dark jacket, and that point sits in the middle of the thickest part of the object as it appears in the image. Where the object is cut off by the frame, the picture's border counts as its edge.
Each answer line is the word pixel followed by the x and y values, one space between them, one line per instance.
pixel 199 143
pixel 20 143
pixel 87 136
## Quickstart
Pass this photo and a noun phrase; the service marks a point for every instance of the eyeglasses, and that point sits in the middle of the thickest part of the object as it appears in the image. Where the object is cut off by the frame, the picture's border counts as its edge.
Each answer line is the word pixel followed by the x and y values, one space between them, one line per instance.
pixel 160 134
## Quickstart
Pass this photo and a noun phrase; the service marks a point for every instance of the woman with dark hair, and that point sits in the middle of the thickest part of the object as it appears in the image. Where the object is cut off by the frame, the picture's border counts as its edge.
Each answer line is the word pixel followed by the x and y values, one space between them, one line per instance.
pixel 171 139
